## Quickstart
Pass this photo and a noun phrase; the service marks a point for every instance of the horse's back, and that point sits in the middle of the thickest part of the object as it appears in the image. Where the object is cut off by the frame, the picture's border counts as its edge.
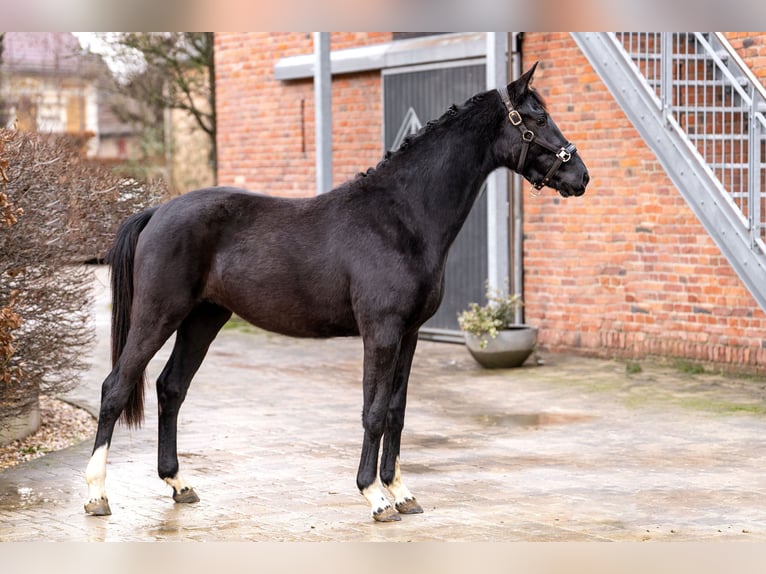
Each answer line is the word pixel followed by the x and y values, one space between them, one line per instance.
pixel 219 215
pixel 188 231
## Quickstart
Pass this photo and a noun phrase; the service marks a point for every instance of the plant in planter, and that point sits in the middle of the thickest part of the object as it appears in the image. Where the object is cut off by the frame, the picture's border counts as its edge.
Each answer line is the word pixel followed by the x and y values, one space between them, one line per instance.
pixel 492 336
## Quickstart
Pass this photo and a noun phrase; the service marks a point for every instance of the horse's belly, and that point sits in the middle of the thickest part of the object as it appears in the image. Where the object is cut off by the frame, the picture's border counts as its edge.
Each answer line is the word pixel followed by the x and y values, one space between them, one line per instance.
pixel 296 316
pixel 316 327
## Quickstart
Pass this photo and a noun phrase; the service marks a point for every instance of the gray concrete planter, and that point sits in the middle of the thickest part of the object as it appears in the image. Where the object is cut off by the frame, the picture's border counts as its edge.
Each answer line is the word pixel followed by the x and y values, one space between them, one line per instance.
pixel 509 349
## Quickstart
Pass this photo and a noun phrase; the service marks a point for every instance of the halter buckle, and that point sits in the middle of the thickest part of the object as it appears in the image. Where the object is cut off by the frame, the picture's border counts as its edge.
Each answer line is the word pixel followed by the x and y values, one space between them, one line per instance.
pixel 515 117
pixel 564 155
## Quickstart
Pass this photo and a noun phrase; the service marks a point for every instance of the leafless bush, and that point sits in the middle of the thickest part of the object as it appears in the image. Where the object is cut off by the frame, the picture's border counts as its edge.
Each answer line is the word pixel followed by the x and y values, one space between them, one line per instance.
pixel 58 210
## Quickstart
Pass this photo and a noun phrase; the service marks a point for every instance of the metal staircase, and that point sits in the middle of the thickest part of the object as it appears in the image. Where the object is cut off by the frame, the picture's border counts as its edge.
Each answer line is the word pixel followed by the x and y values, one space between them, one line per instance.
pixel 701 110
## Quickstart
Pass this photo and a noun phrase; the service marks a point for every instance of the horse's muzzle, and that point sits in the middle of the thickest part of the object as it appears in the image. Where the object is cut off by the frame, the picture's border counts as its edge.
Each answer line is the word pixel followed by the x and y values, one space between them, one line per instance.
pixel 567 190
pixel 576 190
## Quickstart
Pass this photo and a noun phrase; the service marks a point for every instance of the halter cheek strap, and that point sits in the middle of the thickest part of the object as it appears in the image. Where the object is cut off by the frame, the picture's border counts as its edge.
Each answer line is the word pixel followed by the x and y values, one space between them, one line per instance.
pixel 563 154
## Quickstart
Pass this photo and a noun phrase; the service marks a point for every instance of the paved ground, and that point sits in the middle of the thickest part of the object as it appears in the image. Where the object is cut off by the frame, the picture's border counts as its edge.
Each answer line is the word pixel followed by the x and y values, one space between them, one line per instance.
pixel 574 450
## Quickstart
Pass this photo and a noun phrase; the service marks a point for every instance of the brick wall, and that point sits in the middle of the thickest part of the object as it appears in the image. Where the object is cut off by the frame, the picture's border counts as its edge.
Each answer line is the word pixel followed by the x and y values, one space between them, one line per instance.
pixel 266 127
pixel 626 270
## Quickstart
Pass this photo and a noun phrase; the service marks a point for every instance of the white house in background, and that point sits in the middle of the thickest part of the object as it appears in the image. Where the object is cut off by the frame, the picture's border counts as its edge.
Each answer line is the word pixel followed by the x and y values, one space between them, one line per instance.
pixel 49 84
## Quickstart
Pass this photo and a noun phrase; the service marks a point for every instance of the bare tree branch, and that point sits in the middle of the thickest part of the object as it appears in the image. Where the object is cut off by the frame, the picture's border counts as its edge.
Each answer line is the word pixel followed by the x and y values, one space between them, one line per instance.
pixel 179 74
pixel 57 210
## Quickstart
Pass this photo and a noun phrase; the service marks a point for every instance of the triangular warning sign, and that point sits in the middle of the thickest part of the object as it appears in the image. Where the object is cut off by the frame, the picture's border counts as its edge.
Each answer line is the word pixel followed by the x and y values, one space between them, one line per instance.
pixel 410 125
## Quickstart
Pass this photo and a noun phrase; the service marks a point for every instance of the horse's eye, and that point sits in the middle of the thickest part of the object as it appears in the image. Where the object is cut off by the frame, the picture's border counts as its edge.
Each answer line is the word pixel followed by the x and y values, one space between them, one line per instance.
pixel 542 120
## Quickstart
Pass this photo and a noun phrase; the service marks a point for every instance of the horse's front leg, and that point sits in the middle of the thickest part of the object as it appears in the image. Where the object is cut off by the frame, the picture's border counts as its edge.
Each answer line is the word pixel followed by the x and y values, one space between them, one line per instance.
pixel 390 473
pixel 381 352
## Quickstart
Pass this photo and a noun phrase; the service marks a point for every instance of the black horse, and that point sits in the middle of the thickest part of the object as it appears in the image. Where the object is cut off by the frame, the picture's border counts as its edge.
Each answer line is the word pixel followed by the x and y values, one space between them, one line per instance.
pixel 365 259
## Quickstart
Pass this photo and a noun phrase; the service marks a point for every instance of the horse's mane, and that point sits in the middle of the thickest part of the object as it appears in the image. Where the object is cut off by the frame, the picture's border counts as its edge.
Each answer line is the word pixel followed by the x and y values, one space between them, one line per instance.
pixel 454 113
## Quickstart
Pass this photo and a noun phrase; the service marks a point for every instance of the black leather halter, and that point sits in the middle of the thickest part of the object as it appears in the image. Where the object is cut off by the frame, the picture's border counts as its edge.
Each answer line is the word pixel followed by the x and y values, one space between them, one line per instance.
pixel 563 154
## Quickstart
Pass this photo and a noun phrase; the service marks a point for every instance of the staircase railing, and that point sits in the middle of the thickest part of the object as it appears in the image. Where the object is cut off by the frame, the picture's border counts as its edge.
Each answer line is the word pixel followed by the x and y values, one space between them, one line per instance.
pixel 700 108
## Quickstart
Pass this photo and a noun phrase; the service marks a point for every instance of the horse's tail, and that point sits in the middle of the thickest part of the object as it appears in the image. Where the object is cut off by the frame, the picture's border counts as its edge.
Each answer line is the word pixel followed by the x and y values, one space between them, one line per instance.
pixel 120 258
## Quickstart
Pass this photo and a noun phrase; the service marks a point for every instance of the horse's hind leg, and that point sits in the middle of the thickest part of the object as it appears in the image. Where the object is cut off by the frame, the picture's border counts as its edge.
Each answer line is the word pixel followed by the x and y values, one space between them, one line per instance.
pixel 116 391
pixel 390 473
pixel 192 341
pixel 112 404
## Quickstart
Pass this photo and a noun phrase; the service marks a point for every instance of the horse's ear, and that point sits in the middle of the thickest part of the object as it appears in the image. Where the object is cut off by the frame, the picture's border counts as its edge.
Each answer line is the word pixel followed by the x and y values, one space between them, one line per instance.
pixel 518 88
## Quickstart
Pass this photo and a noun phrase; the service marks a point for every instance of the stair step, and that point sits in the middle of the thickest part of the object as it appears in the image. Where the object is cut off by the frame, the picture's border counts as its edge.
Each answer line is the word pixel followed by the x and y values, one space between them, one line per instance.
pixel 708 83
pixel 728 165
pixel 709 112
pixel 760 106
pixel 717 137
pixel 709 109
pixel 676 56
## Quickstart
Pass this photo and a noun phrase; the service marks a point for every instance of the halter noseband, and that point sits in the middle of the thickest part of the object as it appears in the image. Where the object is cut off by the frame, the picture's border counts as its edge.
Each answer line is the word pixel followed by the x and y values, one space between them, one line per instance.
pixel 563 154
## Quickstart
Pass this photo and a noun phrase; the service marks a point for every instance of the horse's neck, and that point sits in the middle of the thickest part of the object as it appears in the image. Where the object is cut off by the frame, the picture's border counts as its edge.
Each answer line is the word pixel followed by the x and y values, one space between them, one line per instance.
pixel 444 184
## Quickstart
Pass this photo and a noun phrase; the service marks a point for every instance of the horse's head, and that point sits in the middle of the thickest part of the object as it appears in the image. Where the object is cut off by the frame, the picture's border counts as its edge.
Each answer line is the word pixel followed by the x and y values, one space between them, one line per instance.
pixel 532 144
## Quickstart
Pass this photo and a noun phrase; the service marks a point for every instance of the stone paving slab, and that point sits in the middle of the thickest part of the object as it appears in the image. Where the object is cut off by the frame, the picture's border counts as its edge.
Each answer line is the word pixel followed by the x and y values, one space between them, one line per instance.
pixel 270 433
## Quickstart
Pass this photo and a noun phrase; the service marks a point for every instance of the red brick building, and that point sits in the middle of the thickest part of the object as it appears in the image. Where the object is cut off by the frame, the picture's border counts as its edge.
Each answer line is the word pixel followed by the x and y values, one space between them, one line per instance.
pixel 626 270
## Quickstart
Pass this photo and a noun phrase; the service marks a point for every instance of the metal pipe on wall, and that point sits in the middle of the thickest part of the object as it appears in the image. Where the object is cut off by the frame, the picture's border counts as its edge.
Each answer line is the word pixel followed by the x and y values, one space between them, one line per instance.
pixel 323 111
pixel 504 198
pixel 516 183
pixel 497 182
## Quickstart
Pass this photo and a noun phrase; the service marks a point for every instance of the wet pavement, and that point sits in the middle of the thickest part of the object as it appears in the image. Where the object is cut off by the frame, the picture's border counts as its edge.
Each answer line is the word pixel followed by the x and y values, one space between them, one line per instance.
pixel 574 450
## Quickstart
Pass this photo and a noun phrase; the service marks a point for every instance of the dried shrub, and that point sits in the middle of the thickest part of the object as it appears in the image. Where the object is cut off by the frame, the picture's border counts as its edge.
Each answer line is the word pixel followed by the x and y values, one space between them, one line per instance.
pixel 57 210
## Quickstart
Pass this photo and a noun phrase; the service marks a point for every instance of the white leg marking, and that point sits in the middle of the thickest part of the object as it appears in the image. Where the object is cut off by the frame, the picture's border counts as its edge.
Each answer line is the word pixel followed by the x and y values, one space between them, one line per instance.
pixel 95 473
pixel 397 489
pixel 182 492
pixel 376 498
pixel 177 483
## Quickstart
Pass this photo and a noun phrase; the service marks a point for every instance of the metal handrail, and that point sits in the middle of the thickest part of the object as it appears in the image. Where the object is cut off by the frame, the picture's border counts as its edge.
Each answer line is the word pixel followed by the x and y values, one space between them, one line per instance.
pixel 715 110
pixel 734 56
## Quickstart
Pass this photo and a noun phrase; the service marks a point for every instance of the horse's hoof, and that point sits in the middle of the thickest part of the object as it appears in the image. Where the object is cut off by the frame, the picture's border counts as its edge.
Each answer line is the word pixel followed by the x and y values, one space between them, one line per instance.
pixel 387 514
pixel 409 506
pixel 186 496
pixel 98 507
